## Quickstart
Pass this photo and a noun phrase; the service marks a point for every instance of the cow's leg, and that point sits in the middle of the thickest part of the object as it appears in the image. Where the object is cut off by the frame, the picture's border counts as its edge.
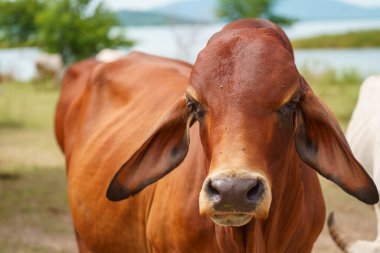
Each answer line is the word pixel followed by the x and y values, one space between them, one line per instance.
pixel 81 246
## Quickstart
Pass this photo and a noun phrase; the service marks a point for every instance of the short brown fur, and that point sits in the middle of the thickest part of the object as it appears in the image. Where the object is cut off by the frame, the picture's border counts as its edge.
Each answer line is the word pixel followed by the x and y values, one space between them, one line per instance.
pixel 244 80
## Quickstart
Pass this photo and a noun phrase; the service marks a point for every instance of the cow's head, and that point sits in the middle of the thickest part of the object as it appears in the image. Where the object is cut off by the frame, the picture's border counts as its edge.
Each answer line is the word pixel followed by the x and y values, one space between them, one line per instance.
pixel 257 116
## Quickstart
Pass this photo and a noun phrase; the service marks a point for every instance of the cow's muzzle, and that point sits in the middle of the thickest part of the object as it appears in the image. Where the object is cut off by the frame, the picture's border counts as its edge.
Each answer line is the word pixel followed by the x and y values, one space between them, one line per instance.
pixel 233 199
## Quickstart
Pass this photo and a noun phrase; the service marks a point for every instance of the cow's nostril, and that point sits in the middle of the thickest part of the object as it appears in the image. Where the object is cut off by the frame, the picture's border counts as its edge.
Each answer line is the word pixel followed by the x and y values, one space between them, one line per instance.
pixel 257 190
pixel 213 192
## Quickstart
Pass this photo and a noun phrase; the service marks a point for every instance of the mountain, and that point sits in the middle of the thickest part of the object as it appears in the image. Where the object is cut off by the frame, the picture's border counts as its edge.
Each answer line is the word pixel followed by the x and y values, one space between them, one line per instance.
pixel 205 10
pixel 323 9
pixel 201 10
pixel 137 18
pixel 190 11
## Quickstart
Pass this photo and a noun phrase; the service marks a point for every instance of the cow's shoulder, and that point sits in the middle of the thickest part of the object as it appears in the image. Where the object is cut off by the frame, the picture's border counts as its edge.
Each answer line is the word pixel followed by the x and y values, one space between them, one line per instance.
pixel 139 66
pixel 72 86
pixel 136 78
pixel 130 93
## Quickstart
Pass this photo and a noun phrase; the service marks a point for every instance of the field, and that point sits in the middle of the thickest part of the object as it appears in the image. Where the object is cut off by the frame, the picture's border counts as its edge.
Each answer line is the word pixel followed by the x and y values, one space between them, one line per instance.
pixel 357 39
pixel 34 216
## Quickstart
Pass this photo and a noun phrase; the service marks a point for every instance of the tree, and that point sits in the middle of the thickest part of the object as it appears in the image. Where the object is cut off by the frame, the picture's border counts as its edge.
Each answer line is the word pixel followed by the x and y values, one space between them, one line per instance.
pixel 235 9
pixel 70 28
pixel 17 22
pixel 74 28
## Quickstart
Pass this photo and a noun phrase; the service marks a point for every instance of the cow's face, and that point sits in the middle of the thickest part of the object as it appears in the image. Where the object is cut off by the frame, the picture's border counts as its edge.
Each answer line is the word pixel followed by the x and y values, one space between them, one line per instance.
pixel 244 90
pixel 257 117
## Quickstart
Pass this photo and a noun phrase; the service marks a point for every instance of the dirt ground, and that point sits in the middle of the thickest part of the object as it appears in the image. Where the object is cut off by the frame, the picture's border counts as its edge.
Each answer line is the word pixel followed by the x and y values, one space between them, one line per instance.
pixel 355 218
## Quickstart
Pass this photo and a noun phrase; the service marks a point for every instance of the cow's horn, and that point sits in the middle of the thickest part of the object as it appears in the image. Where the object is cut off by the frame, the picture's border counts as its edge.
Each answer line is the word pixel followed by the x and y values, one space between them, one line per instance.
pixel 341 239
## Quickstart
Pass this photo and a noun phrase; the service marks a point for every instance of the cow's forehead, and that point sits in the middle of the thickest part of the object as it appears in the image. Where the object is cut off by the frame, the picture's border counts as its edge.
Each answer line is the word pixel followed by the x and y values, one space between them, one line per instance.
pixel 246 62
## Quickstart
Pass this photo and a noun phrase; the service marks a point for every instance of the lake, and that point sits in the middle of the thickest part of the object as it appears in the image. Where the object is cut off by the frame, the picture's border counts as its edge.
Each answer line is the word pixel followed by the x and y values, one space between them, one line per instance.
pixel 185 41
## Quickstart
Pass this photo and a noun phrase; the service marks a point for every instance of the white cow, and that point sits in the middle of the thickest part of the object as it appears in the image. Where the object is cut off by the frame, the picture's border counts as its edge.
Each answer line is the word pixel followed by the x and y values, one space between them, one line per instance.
pixel 363 135
pixel 109 55
pixel 49 65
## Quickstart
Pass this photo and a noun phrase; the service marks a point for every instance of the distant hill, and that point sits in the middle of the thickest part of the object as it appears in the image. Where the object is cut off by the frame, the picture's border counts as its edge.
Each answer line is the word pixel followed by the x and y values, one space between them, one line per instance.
pixel 205 10
pixel 137 18
pixel 323 9
pixel 191 11
pixel 202 10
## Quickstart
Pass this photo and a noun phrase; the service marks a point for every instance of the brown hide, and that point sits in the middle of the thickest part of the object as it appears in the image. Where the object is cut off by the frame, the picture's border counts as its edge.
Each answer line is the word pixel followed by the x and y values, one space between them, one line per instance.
pixel 73 84
pixel 131 126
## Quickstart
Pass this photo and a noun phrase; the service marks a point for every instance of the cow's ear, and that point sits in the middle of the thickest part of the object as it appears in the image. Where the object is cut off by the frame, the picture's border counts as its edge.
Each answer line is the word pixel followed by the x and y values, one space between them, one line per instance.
pixel 164 149
pixel 321 144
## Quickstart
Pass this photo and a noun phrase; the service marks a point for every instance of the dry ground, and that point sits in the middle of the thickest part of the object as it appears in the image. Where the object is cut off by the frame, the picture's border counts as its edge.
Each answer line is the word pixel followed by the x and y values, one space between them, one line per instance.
pixel 34 217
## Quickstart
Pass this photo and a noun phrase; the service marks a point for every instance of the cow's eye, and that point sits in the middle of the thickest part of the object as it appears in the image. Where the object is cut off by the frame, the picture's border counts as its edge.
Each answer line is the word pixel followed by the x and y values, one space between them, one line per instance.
pixel 195 109
pixel 291 105
pixel 192 106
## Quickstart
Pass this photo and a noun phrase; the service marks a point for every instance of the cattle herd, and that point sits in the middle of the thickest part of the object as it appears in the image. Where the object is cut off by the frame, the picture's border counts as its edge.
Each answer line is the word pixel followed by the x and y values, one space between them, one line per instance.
pixel 219 156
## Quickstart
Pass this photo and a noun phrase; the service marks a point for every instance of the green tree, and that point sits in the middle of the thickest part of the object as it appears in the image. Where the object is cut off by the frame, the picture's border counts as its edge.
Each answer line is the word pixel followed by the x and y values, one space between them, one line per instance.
pixel 74 28
pixel 235 9
pixel 17 22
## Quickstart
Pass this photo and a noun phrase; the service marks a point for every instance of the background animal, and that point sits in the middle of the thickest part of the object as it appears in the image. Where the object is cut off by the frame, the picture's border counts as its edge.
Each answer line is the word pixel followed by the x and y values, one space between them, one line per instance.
pixel 49 66
pixel 364 138
pixel 109 55
pixel 216 157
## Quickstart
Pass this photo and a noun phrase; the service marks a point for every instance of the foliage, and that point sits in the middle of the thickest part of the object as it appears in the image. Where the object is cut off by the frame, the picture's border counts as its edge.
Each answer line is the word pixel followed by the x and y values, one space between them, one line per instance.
pixel 67 27
pixel 235 9
pixel 359 39
pixel 17 22
pixel 74 28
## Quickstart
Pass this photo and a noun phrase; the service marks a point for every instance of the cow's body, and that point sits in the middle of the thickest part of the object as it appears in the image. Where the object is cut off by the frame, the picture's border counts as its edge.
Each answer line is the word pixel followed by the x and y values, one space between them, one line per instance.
pixel 364 138
pixel 167 219
pixel 363 130
pixel 110 119
pixel 49 66
pixel 109 55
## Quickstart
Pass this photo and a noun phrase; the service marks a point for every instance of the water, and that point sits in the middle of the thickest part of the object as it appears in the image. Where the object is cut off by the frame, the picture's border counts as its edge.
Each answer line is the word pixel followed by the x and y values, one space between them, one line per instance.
pixel 18 63
pixel 185 41
pixel 364 61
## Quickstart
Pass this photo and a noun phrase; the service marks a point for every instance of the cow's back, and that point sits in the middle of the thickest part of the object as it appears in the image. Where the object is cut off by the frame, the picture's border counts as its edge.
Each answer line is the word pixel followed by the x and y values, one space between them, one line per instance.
pixel 73 85
pixel 363 130
pixel 120 104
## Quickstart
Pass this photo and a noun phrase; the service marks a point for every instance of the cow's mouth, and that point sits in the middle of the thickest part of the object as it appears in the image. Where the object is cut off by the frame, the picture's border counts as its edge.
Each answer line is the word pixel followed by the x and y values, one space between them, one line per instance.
pixel 232 219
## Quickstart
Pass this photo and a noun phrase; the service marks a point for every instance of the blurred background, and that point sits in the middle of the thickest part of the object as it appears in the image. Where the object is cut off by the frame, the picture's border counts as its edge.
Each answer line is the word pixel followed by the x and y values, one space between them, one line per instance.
pixel 337 45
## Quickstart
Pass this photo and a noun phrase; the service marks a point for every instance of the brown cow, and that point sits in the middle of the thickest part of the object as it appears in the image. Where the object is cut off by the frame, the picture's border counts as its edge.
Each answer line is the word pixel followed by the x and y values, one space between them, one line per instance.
pixel 230 158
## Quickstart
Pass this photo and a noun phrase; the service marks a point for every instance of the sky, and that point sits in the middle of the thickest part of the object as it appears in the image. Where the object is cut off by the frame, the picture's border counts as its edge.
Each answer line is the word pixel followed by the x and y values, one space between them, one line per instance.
pixel 137 4
pixel 149 4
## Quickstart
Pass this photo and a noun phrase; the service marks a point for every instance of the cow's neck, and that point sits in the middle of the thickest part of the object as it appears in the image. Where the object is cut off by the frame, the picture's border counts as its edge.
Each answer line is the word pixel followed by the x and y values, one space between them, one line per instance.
pixel 286 213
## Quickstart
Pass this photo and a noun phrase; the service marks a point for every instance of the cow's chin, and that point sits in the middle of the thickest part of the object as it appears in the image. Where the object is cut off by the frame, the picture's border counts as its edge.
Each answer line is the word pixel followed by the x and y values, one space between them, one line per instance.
pixel 235 220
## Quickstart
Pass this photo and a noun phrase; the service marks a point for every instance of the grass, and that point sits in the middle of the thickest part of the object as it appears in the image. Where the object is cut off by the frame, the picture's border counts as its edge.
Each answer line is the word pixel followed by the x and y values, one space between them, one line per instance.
pixel 33 210
pixel 360 39
pixel 27 105
pixel 339 90
pixel 34 216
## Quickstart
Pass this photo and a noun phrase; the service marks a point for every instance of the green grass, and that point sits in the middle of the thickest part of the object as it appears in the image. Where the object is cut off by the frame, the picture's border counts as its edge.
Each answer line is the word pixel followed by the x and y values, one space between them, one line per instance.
pixel 339 90
pixel 27 105
pixel 362 39
pixel 34 215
